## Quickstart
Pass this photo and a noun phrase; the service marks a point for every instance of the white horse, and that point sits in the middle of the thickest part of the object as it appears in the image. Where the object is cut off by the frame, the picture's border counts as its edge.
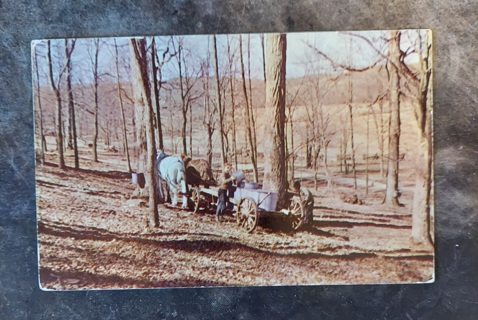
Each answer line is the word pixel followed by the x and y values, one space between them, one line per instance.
pixel 172 170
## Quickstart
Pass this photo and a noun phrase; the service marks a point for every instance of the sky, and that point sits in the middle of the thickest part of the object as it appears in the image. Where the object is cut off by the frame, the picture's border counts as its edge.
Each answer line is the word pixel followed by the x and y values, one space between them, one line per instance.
pixel 301 59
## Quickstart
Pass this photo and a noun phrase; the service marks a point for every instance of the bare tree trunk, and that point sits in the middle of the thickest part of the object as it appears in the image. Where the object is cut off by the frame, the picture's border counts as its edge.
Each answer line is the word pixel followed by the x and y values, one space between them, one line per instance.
pixel 95 93
pixel 219 102
pixel 286 147
pixel 183 131
pixel 209 127
pixel 186 85
pixel 69 132
pixel 116 135
pixel 325 143
pixel 156 88
pixel 341 153
pixel 380 132
pixel 249 128
pixel 233 104
pixel 421 232
pixel 184 102
pixel 275 178
pixel 143 102
pixel 366 153
pixel 71 104
pixel 69 144
pixel 191 131
pixel 351 94
pixel 392 193
pixel 292 155
pixel 209 113
pixel 171 131
pixel 58 115
pixel 120 100
pixel 313 141
pixel 344 146
pixel 226 124
pixel 140 103
pixel 263 57
pixel 421 196
pixel 38 95
pixel 308 153
pixel 251 111
pixel 107 133
pixel 326 165
pixel 382 141
pixel 64 130
pixel 135 133
pixel 316 149
pixel 352 145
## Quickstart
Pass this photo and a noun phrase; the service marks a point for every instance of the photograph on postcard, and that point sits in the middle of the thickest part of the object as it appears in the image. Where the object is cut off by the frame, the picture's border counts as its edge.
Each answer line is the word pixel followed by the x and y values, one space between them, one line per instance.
pixel 234 160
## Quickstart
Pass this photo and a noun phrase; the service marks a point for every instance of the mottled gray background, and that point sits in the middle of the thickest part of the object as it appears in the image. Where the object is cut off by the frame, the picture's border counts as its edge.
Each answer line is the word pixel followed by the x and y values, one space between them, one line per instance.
pixel 454 295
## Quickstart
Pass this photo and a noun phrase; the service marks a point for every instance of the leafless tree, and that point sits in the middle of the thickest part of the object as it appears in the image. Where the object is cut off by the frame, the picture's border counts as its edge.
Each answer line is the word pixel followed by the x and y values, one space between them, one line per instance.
pixel 275 176
pixel 350 105
pixel 157 66
pixel 313 136
pixel 421 232
pixel 392 194
pixel 121 105
pixel 144 108
pixel 72 134
pixel 249 124
pixel 187 80
pixel 380 128
pixel 350 69
pixel 318 120
pixel 263 57
pixel 54 85
pixel 156 89
pixel 41 134
pixel 230 56
pixel 291 102
pixel 289 140
pixel 96 78
pixel 343 157
pixel 250 105
pixel 219 102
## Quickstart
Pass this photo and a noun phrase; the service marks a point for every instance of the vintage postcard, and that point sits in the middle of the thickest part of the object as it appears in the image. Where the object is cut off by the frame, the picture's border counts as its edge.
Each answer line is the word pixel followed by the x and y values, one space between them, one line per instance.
pixel 234 160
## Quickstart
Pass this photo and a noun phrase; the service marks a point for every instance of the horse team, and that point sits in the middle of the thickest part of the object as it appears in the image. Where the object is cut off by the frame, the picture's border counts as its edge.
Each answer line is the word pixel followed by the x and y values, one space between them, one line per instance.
pixel 177 172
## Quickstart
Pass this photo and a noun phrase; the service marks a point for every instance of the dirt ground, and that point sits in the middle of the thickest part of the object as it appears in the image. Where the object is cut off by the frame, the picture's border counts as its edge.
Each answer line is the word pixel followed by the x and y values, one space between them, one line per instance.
pixel 92 235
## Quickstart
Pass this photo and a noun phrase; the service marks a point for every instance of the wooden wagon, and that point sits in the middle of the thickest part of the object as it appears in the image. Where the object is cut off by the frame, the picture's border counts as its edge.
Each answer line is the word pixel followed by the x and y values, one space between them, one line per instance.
pixel 248 205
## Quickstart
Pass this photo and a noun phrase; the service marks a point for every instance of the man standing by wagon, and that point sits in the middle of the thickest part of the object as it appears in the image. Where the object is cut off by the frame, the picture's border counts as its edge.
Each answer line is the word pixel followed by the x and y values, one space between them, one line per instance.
pixel 225 183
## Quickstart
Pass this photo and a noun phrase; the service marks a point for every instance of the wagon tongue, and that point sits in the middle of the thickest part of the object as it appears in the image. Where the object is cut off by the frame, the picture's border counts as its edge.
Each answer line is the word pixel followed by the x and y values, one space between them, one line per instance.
pixel 286 212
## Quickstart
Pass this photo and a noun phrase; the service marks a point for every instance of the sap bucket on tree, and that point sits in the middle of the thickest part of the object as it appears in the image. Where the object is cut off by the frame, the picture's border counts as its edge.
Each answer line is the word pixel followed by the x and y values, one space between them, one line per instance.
pixel 138 178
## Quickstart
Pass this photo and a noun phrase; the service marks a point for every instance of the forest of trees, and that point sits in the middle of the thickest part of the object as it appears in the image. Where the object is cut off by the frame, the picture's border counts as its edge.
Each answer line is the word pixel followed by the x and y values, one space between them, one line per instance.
pixel 277 106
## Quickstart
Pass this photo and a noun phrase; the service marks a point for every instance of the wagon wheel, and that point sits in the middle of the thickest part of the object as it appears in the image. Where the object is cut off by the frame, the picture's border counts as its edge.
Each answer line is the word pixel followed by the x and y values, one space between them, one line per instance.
pixel 247 215
pixel 297 214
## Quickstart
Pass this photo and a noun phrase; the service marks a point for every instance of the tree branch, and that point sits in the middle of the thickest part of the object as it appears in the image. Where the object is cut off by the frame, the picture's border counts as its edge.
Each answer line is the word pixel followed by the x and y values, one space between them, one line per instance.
pixel 343 66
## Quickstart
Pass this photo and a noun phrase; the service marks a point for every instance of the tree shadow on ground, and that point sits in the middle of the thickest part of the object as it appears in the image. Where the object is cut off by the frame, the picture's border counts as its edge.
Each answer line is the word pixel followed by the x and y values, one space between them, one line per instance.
pixel 313 229
pixel 207 243
pixel 50 279
pixel 112 174
pixel 348 224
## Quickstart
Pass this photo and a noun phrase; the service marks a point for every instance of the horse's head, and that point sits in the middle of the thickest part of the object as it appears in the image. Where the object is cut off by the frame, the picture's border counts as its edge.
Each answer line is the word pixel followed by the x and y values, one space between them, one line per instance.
pixel 160 155
pixel 185 158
